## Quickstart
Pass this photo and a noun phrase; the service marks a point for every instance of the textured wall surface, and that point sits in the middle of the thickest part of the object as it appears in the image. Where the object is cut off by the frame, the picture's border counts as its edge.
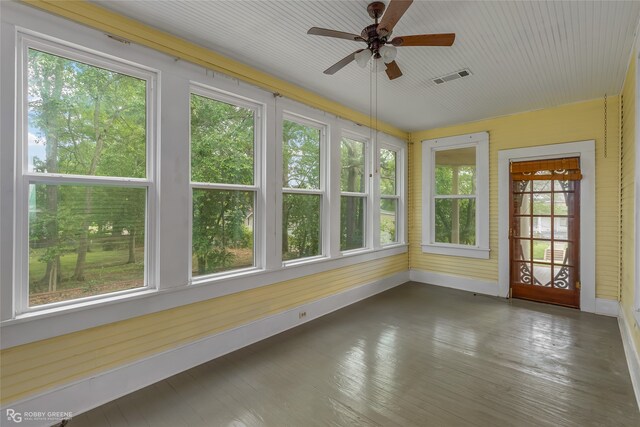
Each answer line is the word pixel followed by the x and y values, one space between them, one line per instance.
pixel 567 123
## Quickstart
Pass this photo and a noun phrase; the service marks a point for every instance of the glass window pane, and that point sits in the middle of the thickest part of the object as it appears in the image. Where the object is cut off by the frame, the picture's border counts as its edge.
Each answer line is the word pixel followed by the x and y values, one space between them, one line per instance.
pixel 388 160
pixel 539 185
pixel 301 226
pixel 300 156
pixel 522 204
pixel 522 249
pixel 388 215
pixel 352 222
pixel 523 227
pixel 561 227
pixel 222 234
pixel 562 202
pixel 84 240
pixel 222 142
pixel 542 227
pixel 456 171
pixel 542 250
pixel 84 120
pixel 455 221
pixel 542 275
pixel 541 203
pixel 352 154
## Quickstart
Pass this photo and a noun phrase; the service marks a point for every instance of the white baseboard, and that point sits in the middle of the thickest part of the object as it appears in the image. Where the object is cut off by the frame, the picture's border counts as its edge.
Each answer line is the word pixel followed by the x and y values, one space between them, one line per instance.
pixel 88 393
pixel 463 283
pixel 630 351
pixel 607 307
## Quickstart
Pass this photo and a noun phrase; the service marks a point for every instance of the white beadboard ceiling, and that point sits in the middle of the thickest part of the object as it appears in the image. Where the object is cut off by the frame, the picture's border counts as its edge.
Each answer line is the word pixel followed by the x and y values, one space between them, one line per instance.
pixel 524 55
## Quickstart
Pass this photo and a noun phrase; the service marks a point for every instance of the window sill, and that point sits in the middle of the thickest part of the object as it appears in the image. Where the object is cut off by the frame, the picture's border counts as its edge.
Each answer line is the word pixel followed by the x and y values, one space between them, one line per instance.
pixel 43 324
pixel 303 261
pixel 456 250
pixel 225 275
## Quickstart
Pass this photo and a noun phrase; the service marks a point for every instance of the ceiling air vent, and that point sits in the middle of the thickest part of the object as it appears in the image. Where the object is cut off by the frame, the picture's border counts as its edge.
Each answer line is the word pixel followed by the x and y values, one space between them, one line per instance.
pixel 454 76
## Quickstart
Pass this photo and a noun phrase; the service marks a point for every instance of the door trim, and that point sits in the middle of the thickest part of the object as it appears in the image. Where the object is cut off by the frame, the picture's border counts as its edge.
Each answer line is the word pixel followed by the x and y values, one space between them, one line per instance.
pixel 586 151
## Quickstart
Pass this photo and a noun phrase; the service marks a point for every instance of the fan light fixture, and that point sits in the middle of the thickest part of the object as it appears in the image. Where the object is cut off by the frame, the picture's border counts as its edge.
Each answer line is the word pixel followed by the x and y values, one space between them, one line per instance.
pixel 362 58
pixel 388 53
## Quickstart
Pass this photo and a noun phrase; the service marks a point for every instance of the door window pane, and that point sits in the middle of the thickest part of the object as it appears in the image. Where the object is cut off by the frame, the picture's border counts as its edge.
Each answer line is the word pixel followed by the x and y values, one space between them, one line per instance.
pixel 84 240
pixel 352 176
pixel 542 275
pixel 524 227
pixel 352 222
pixel 455 221
pixel 522 249
pixel 301 227
pixel 300 156
pixel 541 204
pixel 522 204
pixel 222 142
pixel 456 171
pixel 561 203
pixel 84 120
pixel 223 230
pixel 388 216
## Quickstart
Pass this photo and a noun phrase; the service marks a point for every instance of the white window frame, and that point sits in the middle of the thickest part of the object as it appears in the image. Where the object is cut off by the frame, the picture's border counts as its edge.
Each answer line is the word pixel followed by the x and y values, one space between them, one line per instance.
pixel 325 236
pixel 401 213
pixel 24 178
pixel 636 302
pixel 168 267
pixel 257 187
pixel 480 141
pixel 368 226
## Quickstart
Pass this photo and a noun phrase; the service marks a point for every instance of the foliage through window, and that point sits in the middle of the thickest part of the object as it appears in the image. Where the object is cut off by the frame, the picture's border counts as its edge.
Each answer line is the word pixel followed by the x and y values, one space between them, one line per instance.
pixel 353 203
pixel 455 204
pixel 223 185
pixel 389 196
pixel 455 195
pixel 302 192
pixel 86 234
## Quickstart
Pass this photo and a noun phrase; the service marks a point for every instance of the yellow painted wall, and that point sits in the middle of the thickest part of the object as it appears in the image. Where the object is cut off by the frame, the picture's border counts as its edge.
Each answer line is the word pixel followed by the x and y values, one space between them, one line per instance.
pixel 627 162
pixel 568 123
pixel 35 367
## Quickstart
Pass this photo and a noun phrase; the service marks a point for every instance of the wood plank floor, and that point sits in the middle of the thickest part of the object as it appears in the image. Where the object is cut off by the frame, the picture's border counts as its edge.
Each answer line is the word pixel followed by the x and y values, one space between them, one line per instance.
pixel 415 355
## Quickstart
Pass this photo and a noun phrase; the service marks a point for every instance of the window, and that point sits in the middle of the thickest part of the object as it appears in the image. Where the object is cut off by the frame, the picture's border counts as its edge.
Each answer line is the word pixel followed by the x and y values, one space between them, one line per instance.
pixel 389 196
pixel 223 183
pixel 302 192
pixel 87 173
pixel 455 186
pixel 354 190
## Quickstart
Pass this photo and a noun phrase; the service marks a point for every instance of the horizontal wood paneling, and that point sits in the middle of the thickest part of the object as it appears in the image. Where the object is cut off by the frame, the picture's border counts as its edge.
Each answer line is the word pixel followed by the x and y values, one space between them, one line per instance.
pixel 627 195
pixel 34 367
pixel 568 123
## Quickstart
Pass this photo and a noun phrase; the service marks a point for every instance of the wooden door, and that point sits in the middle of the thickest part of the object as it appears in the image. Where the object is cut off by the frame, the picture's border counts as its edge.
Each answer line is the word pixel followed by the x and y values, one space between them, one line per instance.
pixel 544 236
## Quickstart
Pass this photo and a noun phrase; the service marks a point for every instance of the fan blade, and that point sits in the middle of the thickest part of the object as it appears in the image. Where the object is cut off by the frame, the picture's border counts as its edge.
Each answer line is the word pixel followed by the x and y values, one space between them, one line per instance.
pixel 424 40
pixel 393 71
pixel 394 12
pixel 333 33
pixel 343 62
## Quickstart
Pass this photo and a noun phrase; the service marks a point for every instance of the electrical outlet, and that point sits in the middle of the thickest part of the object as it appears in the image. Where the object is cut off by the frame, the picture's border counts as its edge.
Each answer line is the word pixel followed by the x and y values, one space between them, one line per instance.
pixel 302 314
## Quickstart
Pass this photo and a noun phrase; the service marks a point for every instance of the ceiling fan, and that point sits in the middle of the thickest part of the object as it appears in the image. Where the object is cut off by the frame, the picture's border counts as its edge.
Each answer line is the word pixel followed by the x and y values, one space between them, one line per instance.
pixel 380 46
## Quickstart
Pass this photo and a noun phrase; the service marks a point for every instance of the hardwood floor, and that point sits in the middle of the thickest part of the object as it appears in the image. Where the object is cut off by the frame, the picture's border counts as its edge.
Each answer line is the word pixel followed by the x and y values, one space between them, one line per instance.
pixel 414 355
